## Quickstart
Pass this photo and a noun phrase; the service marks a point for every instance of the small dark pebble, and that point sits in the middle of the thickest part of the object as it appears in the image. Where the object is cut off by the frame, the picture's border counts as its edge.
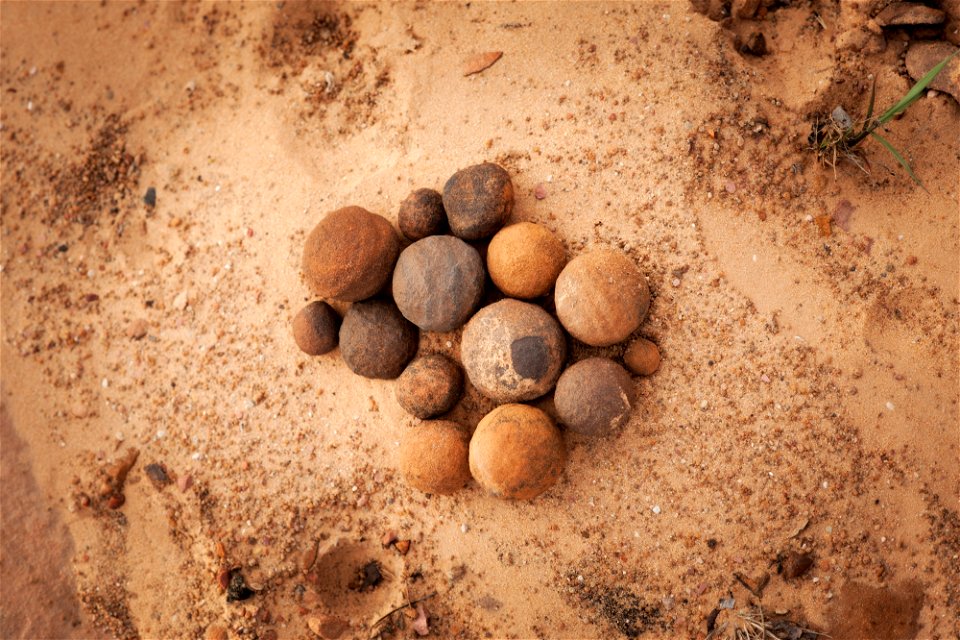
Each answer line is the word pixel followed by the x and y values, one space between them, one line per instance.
pixel 368 577
pixel 237 589
pixel 158 475
pixel 62 248
pixel 753 45
pixel 150 197
pixel 796 564
pixel 712 543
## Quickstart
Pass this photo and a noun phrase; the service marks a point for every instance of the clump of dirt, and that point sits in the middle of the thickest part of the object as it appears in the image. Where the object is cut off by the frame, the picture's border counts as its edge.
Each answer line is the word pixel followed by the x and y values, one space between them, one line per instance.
pixel 620 607
pixel 296 39
pixel 320 51
pixel 102 179
pixel 945 531
pixel 882 613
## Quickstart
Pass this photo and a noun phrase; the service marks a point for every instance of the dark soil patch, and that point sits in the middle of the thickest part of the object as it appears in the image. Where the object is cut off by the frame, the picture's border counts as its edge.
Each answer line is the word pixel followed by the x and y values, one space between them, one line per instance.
pixel 620 607
pixel 882 613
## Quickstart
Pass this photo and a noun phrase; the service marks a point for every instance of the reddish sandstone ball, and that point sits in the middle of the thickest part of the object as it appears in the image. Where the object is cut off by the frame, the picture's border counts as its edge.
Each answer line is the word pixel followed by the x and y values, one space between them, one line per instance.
pixel 601 297
pixel 421 214
pixel 478 200
pixel 429 386
pixel 525 259
pixel 315 328
pixel 438 282
pixel 433 457
pixel 349 255
pixel 642 357
pixel 517 452
pixel 376 341
pixel 594 396
pixel 513 351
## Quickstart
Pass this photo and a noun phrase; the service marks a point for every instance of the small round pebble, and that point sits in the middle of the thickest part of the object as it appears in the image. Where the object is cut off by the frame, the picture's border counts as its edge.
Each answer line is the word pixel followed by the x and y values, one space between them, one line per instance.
pixel 349 255
pixel 421 214
pixel 594 396
pixel 433 457
pixel 429 386
pixel 517 452
pixel 315 328
pixel 525 259
pixel 376 341
pixel 478 200
pixel 601 297
pixel 513 351
pixel 642 357
pixel 438 282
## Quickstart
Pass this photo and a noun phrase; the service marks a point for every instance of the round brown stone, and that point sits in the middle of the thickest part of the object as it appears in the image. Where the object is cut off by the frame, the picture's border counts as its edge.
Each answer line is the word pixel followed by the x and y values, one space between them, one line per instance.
pixel 429 386
pixel 642 357
pixel 525 259
pixel 349 255
pixel 517 452
pixel 601 297
pixel 376 341
pixel 478 200
pixel 433 457
pixel 421 214
pixel 315 328
pixel 438 282
pixel 594 396
pixel 513 351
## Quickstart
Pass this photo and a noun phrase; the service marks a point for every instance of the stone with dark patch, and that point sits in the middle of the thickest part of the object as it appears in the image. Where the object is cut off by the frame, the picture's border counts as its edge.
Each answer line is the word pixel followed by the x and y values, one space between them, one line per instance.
pixel 438 282
pixel 376 341
pixel 513 351
pixel 478 200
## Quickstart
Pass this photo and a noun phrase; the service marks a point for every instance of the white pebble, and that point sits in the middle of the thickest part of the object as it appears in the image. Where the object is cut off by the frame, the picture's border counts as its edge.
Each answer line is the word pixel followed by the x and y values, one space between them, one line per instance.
pixel 656 509
pixel 889 406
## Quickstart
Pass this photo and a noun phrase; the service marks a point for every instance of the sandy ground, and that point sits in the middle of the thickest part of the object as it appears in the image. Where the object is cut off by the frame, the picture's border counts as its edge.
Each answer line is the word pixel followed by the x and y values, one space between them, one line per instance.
pixel 807 401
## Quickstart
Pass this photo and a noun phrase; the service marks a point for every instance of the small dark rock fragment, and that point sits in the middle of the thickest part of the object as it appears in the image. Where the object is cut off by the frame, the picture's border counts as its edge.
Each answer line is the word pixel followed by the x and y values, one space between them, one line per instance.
pixel 796 564
pixel 753 45
pixel 150 197
pixel 421 214
pixel 158 475
pixel 368 577
pixel 237 589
